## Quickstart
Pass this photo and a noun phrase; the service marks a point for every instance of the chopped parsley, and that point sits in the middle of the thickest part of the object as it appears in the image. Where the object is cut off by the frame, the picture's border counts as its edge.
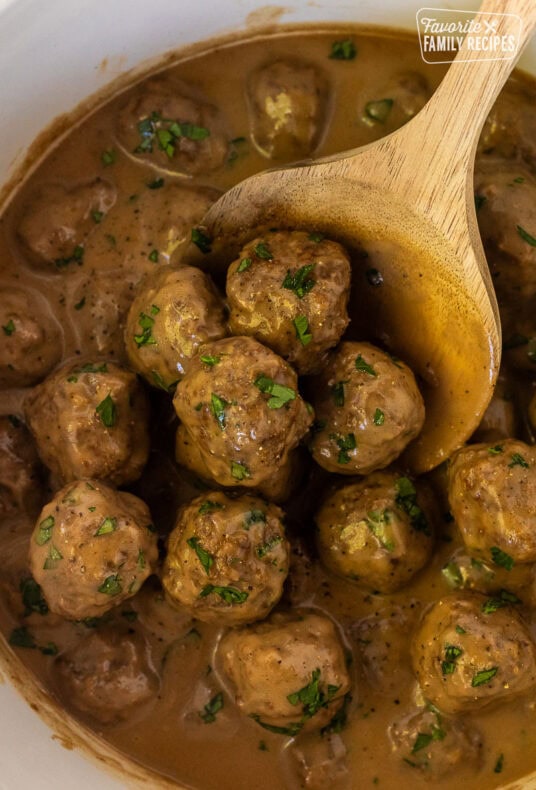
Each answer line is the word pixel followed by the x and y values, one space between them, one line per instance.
pixel 460 630
pixel 44 533
pixel 76 257
pixel 54 556
pixel 363 367
pixel 316 237
pixel 378 111
pixel 97 216
pixel 339 720
pixel 518 460
pixel 109 524
pixel 344 443
pixel 201 240
pixel 499 764
pixel 244 264
pixel 109 157
pixel 21 637
pixel 145 338
pixel 212 708
pixel 153 256
pixel 453 575
pixel 111 585
pixel 301 325
pixel 379 417
pixel 526 236
pixel 292 730
pixel 311 696
pixel 505 598
pixel 496 450
pixel 158 183
pixel 267 547
pixel 32 597
pixel 484 676
pixel 452 654
pixel 9 328
pixel 337 392
pixel 280 395
pixel 501 558
pixel 79 305
pixel 239 471
pixel 217 407
pixel 263 251
pixel 343 50
pixel 107 412
pixel 230 595
pixel 301 283
pixel 424 739
pixel 165 132
pixel 254 517
pixel 209 360
pixel 205 557
pixel 377 522
pixel 209 505
pixel 406 498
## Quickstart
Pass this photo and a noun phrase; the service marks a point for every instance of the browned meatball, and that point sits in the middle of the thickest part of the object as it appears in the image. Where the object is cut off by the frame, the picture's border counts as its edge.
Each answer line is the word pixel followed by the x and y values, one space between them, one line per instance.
pixel 58 221
pixel 470 652
pixel 289 672
pixel 91 549
pixel 435 744
pixel 227 559
pixel 240 405
pixel 368 408
pixel 288 103
pixel 289 290
pixel 103 411
pixel 166 123
pixel 492 491
pixel 375 532
pixel 107 675
pixel 20 471
pixel 509 129
pixel 393 104
pixel 30 338
pixel 175 310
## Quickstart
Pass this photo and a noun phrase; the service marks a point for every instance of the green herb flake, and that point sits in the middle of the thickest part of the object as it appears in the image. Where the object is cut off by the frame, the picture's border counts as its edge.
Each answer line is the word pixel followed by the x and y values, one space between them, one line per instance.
pixel 301 326
pixel 21 637
pixel 109 157
pixel 379 417
pixel 406 499
pixel 107 412
pixel 499 764
pixel 54 556
pixel 212 708
pixel 452 654
pixel 9 328
pixel 501 558
pixel 230 595
pixel 209 506
pixel 109 524
pixel 518 460
pixel 344 443
pixel 205 557
pixel 158 183
pixel 217 407
pixel 301 283
pixel 460 630
pixel 280 395
pixel 267 547
pixel 505 598
pixel 141 561
pixel 262 251
pixel 77 257
pixel 254 517
pixel 316 237
pixel 363 367
pixel 97 216
pixel 484 676
pixel 343 50
pixel 244 264
pixel 339 720
pixel 452 574
pixel 201 240
pixel 337 392
pixel 79 305
pixel 311 696
pixel 209 360
pixel 526 236
pixel 239 471
pixel 496 450
pixel 153 256
pixel 145 338
pixel 44 533
pixel 379 111
pixel 377 521
pixel 32 597
pixel 111 585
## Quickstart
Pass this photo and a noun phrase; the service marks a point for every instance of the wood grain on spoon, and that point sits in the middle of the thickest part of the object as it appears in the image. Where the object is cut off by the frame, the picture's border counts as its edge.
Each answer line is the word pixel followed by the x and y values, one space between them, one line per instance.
pixel 408 201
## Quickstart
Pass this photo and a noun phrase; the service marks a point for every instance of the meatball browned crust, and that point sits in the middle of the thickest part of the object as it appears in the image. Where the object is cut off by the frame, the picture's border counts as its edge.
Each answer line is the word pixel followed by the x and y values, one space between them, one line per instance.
pixel 107 675
pixel 175 310
pixel 289 672
pixel 368 408
pixel 227 559
pixel 166 123
pixel 239 403
pixel 288 104
pixel 492 496
pixel 471 651
pixel 21 473
pixel 91 549
pixel 31 339
pixel 375 532
pixel 289 290
pixel 59 220
pixel 102 409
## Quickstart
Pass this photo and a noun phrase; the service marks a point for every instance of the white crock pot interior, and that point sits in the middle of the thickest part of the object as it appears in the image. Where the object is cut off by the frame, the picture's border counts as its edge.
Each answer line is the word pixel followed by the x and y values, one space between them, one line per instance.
pixel 53 54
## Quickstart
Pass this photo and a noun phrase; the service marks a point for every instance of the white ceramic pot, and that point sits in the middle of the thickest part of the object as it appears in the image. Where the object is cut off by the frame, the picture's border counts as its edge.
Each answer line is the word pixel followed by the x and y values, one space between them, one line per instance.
pixel 53 54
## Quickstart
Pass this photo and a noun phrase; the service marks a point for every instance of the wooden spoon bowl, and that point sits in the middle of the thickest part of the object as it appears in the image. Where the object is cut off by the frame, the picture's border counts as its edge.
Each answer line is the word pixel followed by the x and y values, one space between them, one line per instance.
pixel 408 201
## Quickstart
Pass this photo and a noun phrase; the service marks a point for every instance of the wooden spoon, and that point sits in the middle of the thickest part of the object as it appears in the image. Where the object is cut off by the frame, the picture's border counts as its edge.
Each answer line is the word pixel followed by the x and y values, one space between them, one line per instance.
pixel 408 201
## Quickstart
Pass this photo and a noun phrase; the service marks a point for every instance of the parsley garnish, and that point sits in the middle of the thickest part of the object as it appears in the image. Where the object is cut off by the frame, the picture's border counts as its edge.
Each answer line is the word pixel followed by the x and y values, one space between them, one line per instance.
pixel 44 533
pixel 108 157
pixel 54 556
pixel 301 325
pixel 340 719
pixel 518 460
pixel 32 597
pixel 300 282
pixel 209 360
pixel 496 450
pixel 217 407
pixel 262 251
pixel 499 764
pixel 205 557
pixel 377 521
pixel 281 395
pixel 107 411
pixel 109 524
pixel 209 505
pixel 158 183
pixel 153 256
pixel 111 585
pixel 526 236
pixel 292 730
pixel 21 637
pixel 316 237
pixel 267 547
pixel 311 697
pixel 337 392
pixel 212 708
pixel 79 305
pixel 424 739
pixel 406 498
pixel 228 594
pixel 145 338
pixel 452 653
pixel 453 574
pixel 166 132
pixel 484 676
pixel 501 558
pixel 344 443
pixel 239 471
pixel 505 598
pixel 76 257
pixel 343 50
pixel 244 264
pixel 201 240
pixel 364 367
pixel 9 328
pixel 379 417
pixel 254 517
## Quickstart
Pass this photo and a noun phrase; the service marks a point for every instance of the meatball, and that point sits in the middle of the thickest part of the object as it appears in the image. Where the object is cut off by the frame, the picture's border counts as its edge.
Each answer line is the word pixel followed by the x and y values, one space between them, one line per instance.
pixel 395 103
pixel 31 339
pixel 471 651
pixel 427 740
pixel 107 675
pixel 91 549
pixel 368 408
pixel 165 123
pixel 509 129
pixel 239 403
pixel 227 559
pixel 288 104
pixel 20 471
pixel 289 290
pixel 58 221
pixel 103 411
pixel 375 532
pixel 492 491
pixel 289 672
pixel 174 311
